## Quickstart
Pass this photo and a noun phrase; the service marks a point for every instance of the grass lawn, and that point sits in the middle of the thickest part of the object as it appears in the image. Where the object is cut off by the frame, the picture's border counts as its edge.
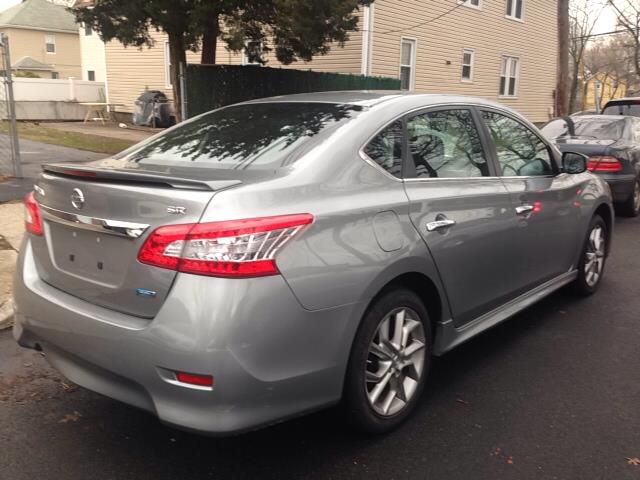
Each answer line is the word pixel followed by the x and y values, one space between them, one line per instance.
pixel 93 143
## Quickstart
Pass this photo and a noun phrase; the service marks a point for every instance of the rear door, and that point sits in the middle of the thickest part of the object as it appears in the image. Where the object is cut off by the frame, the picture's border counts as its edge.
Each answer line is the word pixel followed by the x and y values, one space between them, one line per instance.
pixel 544 200
pixel 461 208
pixel 93 231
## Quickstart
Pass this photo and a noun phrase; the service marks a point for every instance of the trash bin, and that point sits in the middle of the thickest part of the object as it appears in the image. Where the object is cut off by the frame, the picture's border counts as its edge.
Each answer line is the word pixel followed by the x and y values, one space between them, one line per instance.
pixel 152 109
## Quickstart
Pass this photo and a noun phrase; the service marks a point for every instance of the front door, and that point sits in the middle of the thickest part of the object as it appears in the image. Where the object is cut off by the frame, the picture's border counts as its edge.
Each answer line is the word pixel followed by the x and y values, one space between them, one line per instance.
pixel 462 210
pixel 545 201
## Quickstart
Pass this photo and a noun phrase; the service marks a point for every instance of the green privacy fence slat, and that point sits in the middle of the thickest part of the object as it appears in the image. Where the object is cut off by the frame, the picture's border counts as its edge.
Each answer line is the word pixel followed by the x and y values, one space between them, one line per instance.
pixel 214 86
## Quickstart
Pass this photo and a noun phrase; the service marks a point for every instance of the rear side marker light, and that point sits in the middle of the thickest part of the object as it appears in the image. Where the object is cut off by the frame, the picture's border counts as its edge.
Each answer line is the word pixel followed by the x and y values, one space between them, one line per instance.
pixel 32 217
pixel 234 248
pixel 604 163
pixel 195 379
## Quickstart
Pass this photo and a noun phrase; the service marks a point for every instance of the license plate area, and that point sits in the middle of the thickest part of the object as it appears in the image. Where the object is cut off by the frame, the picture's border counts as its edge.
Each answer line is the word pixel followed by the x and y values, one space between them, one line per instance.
pixel 92 256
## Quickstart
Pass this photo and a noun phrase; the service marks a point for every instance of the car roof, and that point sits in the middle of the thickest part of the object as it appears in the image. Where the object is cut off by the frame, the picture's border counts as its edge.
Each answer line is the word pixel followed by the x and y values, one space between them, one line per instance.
pixel 370 98
pixel 581 118
pixel 625 99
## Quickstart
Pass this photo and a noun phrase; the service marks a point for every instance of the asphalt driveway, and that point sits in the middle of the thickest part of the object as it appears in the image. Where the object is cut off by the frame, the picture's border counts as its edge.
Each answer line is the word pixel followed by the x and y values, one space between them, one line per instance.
pixel 553 393
pixel 34 155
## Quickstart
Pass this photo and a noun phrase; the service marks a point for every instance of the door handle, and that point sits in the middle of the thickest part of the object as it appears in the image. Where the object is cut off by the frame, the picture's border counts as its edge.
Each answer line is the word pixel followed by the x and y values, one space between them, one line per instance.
pixel 522 209
pixel 440 222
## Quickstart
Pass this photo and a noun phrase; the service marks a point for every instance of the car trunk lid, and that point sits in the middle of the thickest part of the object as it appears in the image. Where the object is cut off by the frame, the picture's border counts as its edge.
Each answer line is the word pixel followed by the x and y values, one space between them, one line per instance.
pixel 95 222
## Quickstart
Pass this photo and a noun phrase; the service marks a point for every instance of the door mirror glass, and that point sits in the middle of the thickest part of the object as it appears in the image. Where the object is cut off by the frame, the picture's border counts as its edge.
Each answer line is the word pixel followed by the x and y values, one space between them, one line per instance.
pixel 574 162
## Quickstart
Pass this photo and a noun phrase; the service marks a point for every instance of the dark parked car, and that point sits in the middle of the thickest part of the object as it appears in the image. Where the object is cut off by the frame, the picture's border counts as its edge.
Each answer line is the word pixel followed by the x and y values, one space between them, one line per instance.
pixel 623 106
pixel 612 143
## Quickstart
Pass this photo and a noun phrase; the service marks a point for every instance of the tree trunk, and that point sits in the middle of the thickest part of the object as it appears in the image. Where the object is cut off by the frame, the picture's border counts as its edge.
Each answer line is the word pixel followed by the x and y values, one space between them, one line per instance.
pixel 209 40
pixel 178 57
pixel 563 58
pixel 636 56
pixel 573 92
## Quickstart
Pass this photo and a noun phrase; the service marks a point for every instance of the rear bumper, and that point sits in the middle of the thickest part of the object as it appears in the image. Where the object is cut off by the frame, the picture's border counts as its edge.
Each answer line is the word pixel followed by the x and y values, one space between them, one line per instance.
pixel 270 358
pixel 621 186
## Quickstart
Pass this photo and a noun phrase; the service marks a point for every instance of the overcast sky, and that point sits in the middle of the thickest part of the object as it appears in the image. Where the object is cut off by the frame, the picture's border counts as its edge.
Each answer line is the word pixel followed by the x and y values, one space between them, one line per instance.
pixel 606 22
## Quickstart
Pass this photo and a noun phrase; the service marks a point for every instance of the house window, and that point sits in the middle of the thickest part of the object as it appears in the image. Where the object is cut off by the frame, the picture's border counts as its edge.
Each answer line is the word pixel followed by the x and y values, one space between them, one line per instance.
pixel 91 75
pixel 252 51
pixel 407 63
pixel 468 57
pixel 509 76
pixel 515 9
pixel 55 75
pixel 50 43
pixel 471 3
pixel 88 31
pixel 168 68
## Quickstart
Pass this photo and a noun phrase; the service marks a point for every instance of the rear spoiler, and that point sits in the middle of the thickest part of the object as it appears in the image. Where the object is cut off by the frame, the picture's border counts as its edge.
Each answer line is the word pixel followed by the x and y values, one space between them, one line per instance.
pixel 99 174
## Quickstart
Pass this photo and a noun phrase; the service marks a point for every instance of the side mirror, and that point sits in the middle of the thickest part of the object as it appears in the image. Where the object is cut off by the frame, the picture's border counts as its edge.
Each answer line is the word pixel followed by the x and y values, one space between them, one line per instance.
pixel 573 162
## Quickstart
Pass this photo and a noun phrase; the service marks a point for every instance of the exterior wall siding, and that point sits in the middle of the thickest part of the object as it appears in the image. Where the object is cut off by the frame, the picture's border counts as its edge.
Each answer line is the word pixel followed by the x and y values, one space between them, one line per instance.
pixel 439 49
pixel 439 46
pixel 130 69
pixel 30 43
pixel 92 56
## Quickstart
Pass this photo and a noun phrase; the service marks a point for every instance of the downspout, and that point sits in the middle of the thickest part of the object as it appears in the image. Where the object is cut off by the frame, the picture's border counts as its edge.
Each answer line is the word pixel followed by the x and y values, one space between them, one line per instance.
pixel 367 39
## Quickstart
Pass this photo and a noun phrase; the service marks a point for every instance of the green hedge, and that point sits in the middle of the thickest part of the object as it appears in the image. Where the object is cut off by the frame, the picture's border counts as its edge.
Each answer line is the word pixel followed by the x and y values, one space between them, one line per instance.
pixel 214 86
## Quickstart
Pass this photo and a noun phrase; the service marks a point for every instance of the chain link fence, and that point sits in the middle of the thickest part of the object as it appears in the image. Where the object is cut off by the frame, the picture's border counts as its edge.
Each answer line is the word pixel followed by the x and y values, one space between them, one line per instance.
pixel 10 165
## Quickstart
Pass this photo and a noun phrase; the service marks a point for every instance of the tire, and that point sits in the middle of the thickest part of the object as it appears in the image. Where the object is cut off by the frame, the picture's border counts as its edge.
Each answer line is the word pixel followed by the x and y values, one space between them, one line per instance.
pixel 590 275
pixel 393 367
pixel 631 207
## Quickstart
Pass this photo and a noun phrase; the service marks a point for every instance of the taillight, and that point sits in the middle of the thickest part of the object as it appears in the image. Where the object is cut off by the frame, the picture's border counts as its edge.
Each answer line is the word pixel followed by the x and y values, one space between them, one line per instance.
pixel 234 248
pixel 32 218
pixel 604 163
pixel 195 379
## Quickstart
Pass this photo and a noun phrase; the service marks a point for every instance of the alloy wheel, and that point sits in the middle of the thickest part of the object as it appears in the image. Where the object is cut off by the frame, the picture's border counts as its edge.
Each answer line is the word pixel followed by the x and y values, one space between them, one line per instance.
pixel 395 361
pixel 636 196
pixel 594 256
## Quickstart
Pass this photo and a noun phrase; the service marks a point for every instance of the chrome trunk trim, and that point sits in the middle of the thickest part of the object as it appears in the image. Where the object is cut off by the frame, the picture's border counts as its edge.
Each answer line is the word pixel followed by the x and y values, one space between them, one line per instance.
pixel 102 225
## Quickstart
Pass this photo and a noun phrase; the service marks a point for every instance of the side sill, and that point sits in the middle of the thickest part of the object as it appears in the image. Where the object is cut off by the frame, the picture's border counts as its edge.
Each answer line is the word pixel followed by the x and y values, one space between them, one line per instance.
pixel 448 336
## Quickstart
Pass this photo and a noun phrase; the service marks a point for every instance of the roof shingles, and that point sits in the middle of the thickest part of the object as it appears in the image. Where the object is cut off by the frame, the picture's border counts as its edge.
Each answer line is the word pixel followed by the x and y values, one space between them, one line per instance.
pixel 39 14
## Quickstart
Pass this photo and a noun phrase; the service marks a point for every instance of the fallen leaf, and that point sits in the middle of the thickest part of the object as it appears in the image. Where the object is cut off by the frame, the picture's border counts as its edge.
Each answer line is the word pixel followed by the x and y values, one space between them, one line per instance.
pixel 71 417
pixel 68 388
pixel 633 461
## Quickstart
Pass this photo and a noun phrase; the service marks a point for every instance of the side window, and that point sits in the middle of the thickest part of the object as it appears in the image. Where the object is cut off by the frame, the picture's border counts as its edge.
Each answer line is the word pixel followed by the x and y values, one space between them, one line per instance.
pixel 520 151
pixel 386 149
pixel 446 144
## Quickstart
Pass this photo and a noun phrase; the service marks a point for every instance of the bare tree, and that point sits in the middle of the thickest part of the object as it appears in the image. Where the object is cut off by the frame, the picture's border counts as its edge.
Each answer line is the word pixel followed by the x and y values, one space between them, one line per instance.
pixel 582 19
pixel 628 16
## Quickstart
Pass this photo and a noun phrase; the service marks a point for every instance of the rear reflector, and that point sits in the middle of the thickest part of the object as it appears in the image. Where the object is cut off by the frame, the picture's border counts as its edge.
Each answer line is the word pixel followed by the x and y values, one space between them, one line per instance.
pixel 195 379
pixel 32 218
pixel 604 163
pixel 234 248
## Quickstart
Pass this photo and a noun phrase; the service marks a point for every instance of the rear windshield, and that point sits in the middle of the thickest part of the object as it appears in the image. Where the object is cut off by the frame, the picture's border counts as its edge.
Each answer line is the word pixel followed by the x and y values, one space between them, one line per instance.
pixel 630 108
pixel 259 135
pixel 585 127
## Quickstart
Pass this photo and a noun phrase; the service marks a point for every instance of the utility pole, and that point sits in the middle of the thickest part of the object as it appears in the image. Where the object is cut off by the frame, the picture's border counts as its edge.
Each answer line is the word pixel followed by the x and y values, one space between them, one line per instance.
pixel 562 100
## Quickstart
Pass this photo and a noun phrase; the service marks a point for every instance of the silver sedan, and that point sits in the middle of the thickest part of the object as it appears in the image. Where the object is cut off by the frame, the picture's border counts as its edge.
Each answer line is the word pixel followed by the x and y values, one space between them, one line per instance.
pixel 283 255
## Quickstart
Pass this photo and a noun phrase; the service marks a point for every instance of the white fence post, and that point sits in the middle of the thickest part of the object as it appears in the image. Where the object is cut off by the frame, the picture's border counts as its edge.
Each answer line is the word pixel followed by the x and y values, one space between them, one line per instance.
pixel 72 89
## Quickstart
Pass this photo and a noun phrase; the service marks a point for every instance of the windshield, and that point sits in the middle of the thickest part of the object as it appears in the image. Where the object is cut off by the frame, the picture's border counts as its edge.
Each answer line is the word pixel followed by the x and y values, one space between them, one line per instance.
pixel 585 127
pixel 258 135
pixel 630 108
